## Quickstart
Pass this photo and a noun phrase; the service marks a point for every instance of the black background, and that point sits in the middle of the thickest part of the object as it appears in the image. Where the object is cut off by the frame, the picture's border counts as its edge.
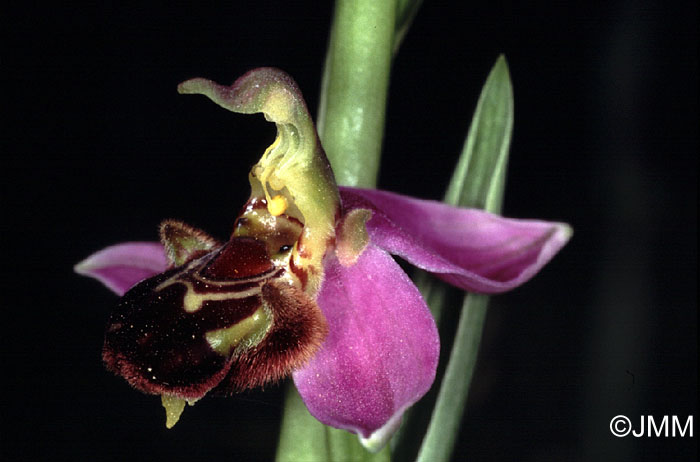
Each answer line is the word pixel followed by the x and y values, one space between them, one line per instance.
pixel 100 147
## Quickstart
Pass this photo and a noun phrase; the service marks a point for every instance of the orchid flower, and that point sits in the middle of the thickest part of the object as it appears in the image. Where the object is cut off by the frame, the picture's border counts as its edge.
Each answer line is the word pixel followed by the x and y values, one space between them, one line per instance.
pixel 306 284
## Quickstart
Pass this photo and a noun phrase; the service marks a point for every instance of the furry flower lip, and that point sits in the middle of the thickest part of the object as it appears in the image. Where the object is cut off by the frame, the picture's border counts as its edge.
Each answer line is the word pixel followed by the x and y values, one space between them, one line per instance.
pixel 306 284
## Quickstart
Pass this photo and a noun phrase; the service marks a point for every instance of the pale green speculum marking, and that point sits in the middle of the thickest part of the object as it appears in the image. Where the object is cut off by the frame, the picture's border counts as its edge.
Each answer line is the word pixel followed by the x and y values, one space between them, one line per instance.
pixel 242 335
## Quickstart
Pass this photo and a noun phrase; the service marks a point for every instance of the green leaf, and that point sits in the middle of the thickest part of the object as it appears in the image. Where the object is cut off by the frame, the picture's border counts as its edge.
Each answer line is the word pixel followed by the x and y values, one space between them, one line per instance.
pixel 478 181
pixel 443 429
pixel 354 89
pixel 406 11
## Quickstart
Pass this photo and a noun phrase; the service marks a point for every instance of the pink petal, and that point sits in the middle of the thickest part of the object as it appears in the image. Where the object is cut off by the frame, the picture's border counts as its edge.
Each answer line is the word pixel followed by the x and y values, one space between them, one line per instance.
pixel 469 248
pixel 381 351
pixel 121 266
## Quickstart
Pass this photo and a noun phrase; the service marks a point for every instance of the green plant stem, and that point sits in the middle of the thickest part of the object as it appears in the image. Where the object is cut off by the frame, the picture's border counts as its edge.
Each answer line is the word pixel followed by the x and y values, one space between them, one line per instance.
pixel 354 89
pixel 302 438
pixel 305 439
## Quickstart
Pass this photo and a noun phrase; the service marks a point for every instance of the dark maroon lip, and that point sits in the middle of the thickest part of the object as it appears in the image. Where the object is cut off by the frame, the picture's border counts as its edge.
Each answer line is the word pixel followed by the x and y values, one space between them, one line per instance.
pixel 159 347
pixel 158 342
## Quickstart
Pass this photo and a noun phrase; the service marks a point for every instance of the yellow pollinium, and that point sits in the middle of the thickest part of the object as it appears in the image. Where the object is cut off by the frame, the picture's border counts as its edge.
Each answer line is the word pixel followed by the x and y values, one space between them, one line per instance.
pixel 277 205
